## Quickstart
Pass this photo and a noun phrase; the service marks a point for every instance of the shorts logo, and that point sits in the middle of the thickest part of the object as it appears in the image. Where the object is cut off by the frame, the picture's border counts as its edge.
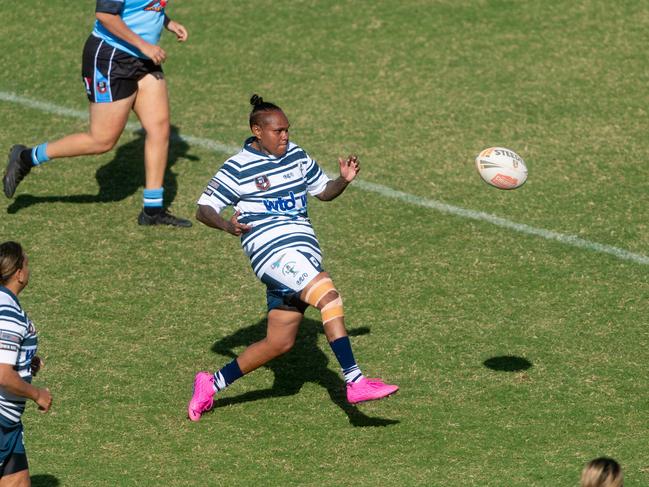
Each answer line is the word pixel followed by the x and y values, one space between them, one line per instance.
pixel 262 183
pixel 289 269
pixel 102 87
pixel 275 265
pixel 156 5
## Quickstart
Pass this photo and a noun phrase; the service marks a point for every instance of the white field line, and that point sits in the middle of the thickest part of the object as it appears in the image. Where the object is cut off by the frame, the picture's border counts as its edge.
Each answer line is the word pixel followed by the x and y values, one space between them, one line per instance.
pixel 384 191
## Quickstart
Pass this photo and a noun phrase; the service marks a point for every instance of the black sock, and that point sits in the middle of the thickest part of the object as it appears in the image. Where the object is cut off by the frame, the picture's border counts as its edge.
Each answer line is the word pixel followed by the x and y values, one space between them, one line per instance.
pixel 152 210
pixel 26 157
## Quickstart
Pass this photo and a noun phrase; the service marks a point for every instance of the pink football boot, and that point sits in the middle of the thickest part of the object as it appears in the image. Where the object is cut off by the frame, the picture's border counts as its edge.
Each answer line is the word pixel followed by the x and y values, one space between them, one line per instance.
pixel 368 390
pixel 202 397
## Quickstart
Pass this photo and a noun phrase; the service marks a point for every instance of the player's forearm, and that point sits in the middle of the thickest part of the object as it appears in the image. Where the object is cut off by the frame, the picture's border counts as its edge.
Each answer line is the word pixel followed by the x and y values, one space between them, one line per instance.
pixel 116 26
pixel 208 216
pixel 12 382
pixel 333 189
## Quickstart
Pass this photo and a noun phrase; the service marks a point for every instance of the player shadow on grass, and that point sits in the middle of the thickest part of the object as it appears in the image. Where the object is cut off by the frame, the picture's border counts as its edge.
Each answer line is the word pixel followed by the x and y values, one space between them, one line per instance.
pixel 122 177
pixel 304 363
pixel 44 480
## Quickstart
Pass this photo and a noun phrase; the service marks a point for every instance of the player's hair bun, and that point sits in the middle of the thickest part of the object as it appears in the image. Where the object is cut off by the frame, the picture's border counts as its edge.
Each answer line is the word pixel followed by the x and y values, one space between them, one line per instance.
pixel 256 100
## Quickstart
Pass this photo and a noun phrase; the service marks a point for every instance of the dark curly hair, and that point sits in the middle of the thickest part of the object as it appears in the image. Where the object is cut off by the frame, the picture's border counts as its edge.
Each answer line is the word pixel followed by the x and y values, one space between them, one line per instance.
pixel 259 108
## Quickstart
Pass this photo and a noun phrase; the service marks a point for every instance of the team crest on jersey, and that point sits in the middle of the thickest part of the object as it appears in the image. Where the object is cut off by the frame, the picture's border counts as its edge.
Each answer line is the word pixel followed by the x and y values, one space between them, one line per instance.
pixel 156 5
pixel 262 183
pixel 102 87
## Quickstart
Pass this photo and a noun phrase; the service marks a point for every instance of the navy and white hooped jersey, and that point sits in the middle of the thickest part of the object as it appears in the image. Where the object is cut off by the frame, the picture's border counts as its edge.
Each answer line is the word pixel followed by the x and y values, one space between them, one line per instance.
pixel 271 194
pixel 18 344
pixel 144 17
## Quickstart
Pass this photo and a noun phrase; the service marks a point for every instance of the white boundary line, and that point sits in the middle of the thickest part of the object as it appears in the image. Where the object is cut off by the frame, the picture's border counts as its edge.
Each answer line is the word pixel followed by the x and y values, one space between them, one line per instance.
pixel 384 191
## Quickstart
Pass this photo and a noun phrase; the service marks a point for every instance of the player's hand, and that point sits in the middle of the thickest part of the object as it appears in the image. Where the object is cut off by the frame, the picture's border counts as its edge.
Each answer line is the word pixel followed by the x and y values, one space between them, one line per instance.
pixel 44 400
pixel 349 168
pixel 178 29
pixel 155 53
pixel 236 228
pixel 37 365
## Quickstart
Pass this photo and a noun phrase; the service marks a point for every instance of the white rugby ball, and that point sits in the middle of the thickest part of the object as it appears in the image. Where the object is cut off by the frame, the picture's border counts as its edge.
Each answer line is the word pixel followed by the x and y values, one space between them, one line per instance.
pixel 501 167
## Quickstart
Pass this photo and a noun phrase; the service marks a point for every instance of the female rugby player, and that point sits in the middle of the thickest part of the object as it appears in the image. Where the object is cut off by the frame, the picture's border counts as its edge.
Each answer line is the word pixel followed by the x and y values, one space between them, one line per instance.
pixel 121 72
pixel 267 183
pixel 18 363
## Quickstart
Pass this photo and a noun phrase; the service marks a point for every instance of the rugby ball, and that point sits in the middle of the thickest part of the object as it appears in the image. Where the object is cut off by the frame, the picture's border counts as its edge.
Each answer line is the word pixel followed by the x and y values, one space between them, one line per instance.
pixel 501 167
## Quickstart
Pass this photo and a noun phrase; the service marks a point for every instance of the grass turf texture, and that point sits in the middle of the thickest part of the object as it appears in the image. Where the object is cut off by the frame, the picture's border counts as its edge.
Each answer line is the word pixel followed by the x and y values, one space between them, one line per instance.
pixel 519 358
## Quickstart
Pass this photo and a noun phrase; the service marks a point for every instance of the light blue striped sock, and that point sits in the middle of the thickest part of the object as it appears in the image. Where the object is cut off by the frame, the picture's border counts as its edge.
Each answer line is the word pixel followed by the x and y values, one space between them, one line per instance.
pixel 39 154
pixel 153 198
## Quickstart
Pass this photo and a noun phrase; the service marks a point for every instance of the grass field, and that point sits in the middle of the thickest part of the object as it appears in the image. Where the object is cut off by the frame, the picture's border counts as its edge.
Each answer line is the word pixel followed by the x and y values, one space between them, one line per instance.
pixel 520 356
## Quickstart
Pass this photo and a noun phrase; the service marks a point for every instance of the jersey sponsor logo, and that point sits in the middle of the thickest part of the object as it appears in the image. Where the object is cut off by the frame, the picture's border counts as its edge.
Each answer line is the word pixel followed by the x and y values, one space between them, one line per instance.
pixel 156 5
pixel 262 183
pixel 285 204
pixel 8 346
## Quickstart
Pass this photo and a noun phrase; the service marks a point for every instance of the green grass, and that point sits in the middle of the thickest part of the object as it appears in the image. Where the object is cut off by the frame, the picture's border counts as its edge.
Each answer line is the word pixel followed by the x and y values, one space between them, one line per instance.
pixel 417 88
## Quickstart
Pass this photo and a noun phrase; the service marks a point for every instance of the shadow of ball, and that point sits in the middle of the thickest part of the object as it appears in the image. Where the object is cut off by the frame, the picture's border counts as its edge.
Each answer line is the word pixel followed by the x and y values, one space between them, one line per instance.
pixel 507 363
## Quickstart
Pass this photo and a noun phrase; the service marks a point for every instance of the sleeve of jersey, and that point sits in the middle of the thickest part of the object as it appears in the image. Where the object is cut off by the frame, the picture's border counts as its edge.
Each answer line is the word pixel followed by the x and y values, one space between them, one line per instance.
pixel 11 336
pixel 221 191
pixel 316 179
pixel 110 6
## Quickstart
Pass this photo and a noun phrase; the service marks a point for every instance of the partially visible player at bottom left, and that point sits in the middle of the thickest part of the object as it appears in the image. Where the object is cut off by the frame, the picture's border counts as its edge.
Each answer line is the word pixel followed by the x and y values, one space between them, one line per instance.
pixel 18 363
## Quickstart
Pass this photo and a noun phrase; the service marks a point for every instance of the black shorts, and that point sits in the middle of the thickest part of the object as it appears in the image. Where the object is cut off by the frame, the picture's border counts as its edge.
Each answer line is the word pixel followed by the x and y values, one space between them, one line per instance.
pixel 110 74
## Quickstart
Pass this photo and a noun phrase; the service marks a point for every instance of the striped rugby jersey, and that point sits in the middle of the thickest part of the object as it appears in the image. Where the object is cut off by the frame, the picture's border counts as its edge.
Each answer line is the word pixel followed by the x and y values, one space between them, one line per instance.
pixel 271 194
pixel 18 344
pixel 144 17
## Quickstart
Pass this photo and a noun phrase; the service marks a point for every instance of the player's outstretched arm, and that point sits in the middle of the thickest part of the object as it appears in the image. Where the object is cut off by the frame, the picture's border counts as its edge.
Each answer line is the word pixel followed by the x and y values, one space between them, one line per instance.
pixel 349 169
pixel 208 216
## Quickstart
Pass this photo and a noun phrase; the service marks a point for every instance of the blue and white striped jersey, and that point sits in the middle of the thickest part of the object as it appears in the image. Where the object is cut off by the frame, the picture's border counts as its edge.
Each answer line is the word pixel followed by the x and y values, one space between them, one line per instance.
pixel 271 194
pixel 18 344
pixel 144 17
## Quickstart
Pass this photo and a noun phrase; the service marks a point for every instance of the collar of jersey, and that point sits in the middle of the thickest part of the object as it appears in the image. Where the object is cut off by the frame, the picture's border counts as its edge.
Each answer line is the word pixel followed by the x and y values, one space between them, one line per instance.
pixel 8 291
pixel 247 145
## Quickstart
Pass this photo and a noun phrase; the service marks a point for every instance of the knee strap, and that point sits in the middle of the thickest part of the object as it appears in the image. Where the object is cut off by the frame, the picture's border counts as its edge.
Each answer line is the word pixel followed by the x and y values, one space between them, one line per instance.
pixel 332 310
pixel 318 290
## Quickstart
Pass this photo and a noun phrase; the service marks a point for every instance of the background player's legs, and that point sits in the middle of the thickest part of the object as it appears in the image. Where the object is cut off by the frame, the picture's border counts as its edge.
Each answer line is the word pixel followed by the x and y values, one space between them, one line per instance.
pixel 152 108
pixel 107 122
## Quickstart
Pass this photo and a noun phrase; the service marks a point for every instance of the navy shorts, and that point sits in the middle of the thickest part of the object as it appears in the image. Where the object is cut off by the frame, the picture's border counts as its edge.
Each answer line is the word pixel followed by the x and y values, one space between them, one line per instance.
pixel 12 450
pixel 110 74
